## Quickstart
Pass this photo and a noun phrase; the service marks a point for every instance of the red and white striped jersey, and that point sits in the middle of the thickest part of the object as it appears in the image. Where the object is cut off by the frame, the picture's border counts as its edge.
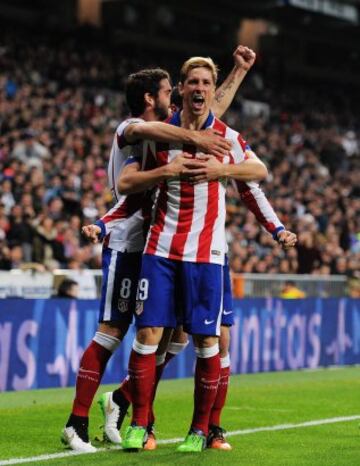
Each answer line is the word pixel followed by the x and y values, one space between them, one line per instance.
pixel 121 150
pixel 255 200
pixel 126 224
pixel 189 220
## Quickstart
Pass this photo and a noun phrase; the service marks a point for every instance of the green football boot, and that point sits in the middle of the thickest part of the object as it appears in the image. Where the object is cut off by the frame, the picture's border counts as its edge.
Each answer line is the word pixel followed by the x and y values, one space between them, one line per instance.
pixel 195 442
pixel 135 438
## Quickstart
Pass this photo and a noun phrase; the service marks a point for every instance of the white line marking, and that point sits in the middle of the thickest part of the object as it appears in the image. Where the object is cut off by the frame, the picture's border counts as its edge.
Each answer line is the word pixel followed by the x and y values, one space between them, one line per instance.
pixel 249 408
pixel 318 422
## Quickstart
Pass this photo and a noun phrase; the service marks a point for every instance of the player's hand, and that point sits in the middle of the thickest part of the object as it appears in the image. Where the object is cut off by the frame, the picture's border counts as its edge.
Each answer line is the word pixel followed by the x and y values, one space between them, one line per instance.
pixel 210 142
pixel 244 57
pixel 92 233
pixel 211 169
pixel 287 239
pixel 181 166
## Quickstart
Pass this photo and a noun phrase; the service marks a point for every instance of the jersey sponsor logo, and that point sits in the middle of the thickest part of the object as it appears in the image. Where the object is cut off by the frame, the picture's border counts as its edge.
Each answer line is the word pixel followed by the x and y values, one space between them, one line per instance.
pixel 226 313
pixel 215 252
pixel 139 307
pixel 123 305
pixel 208 322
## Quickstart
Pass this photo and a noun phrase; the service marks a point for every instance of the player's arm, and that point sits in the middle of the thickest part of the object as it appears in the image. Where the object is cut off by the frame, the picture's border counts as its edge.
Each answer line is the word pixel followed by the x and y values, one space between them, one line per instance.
pixel 206 141
pixel 244 58
pixel 133 180
pixel 97 231
pixel 256 201
pixel 251 169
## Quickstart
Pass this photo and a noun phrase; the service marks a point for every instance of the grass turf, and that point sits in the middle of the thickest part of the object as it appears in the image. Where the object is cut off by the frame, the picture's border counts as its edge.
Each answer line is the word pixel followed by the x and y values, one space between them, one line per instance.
pixel 31 422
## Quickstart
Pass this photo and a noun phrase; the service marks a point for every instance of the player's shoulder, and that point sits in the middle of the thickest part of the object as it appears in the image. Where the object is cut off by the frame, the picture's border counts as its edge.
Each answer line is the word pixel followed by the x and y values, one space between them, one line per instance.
pixel 128 121
pixel 229 133
pixel 225 130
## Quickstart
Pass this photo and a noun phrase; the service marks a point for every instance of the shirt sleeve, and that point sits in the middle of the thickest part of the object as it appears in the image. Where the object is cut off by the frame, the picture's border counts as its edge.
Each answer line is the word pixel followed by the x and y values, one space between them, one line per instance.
pixel 120 132
pixel 126 206
pixel 255 200
pixel 239 146
pixel 133 159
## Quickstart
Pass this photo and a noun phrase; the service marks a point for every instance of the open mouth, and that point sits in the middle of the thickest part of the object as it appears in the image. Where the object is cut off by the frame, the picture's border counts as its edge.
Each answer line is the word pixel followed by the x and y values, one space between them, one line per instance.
pixel 198 101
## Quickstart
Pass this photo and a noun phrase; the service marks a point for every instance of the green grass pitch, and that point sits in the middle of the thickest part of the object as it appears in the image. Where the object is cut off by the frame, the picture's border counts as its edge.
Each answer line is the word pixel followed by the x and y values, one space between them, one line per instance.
pixel 31 422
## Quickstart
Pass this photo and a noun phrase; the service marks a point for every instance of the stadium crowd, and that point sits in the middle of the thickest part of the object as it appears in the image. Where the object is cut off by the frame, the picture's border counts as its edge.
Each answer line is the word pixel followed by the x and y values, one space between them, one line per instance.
pixel 59 108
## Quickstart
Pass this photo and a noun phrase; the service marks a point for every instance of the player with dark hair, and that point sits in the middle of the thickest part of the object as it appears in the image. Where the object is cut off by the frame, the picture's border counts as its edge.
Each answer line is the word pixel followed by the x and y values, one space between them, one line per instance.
pixel 186 244
pixel 123 246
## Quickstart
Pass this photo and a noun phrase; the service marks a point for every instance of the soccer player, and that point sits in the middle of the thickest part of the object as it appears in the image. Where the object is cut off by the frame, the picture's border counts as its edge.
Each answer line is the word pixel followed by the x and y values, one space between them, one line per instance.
pixel 150 90
pixel 149 93
pixel 256 201
pixel 186 244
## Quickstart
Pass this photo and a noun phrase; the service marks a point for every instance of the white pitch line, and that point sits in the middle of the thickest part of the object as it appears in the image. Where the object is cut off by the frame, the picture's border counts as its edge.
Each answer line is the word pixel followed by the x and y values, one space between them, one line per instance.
pixel 318 422
pixel 248 408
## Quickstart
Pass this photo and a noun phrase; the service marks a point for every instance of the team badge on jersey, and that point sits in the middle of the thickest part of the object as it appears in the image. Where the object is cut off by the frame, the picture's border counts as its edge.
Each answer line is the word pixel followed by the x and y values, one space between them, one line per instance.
pixel 139 307
pixel 123 305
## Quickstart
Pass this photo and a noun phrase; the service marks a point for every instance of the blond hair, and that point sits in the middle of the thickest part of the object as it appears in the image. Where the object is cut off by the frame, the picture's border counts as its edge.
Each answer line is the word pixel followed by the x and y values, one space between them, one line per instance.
pixel 198 62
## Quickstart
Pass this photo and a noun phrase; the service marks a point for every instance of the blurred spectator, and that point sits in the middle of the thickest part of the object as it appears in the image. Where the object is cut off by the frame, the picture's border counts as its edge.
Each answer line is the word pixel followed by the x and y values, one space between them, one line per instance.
pixel 68 289
pixel 29 151
pixel 59 108
pixel 291 291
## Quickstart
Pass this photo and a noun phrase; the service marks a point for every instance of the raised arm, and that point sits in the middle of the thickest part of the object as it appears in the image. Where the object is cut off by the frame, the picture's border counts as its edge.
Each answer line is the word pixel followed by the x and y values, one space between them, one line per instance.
pixel 244 58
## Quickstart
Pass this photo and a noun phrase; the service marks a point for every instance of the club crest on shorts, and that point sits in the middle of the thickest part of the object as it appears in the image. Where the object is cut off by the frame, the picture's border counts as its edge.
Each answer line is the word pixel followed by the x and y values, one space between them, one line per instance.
pixel 139 307
pixel 123 305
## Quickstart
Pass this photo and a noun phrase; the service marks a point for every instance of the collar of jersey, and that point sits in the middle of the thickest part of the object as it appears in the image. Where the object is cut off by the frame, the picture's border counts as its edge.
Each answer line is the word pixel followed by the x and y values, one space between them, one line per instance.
pixel 176 120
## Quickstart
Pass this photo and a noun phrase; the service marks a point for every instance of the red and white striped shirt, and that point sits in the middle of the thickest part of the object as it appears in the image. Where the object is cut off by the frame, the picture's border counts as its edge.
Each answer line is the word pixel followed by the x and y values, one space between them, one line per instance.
pixel 126 224
pixel 189 220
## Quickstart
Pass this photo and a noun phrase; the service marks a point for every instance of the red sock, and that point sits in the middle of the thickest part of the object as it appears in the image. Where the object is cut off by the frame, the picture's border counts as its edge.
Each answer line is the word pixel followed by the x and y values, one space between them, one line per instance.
pixel 92 366
pixel 158 373
pixel 220 396
pixel 207 376
pixel 142 379
pixel 125 389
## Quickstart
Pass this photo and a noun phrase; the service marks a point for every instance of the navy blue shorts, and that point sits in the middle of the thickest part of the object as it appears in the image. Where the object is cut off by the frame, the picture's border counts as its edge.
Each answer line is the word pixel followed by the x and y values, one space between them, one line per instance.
pixel 164 282
pixel 120 279
pixel 227 317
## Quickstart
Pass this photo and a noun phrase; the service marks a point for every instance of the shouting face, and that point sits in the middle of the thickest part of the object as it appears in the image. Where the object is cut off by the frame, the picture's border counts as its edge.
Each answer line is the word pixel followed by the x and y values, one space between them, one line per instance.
pixel 198 91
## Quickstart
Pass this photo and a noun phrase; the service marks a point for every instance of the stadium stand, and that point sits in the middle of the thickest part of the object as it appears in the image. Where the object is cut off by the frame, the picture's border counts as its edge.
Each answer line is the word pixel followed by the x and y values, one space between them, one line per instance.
pixel 59 107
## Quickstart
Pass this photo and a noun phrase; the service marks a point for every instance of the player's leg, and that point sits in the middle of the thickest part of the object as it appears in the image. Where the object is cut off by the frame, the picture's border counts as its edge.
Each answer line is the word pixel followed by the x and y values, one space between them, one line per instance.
pixel 216 438
pixel 202 315
pixel 154 311
pixel 114 322
pixel 122 396
pixel 92 366
pixel 171 344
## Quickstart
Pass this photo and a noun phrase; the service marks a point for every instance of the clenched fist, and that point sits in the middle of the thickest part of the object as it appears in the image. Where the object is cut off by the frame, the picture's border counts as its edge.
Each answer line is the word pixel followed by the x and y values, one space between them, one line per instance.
pixel 244 58
pixel 91 232
pixel 287 239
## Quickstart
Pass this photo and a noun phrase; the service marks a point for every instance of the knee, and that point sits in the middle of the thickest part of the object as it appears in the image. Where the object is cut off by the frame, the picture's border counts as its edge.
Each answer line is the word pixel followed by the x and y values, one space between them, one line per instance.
pixel 201 341
pixel 116 330
pixel 179 336
pixel 149 335
pixel 224 341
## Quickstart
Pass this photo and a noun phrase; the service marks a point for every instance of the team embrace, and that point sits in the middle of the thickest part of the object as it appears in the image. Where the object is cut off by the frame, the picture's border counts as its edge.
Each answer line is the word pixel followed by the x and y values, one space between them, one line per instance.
pixel 164 251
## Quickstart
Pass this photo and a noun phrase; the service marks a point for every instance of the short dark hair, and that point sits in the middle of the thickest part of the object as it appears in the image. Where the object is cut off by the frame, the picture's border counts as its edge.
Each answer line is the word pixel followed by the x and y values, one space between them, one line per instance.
pixel 176 98
pixel 140 83
pixel 65 287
